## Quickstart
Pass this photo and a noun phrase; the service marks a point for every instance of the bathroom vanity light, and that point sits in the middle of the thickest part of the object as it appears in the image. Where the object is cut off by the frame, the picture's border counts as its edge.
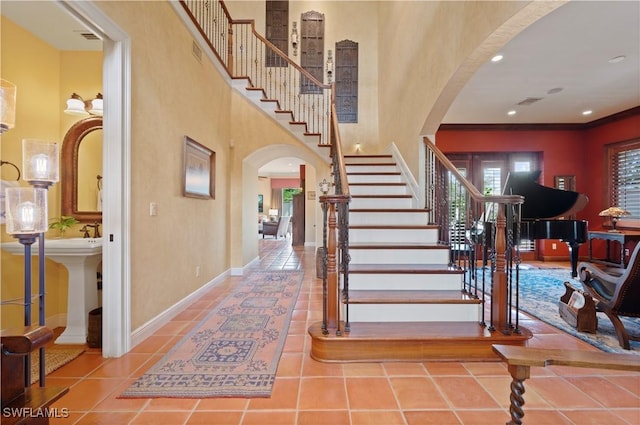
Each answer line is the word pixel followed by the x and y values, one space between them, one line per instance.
pixel 77 106
pixel 7 105
pixel 40 162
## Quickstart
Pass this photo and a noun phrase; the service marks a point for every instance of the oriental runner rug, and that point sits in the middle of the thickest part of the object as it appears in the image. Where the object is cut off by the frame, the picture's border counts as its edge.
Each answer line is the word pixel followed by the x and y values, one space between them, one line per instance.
pixel 234 351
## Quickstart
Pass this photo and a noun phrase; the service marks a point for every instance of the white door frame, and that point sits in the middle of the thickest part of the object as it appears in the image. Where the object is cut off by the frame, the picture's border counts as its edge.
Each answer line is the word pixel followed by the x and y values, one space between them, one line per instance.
pixel 116 167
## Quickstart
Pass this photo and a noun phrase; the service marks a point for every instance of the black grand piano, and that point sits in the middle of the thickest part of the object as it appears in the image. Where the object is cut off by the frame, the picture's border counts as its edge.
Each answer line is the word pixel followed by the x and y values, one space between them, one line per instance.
pixel 543 211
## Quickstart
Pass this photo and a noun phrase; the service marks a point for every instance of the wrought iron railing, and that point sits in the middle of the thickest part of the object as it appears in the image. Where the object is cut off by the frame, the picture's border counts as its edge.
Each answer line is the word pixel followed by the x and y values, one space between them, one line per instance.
pixel 243 52
pixel 481 231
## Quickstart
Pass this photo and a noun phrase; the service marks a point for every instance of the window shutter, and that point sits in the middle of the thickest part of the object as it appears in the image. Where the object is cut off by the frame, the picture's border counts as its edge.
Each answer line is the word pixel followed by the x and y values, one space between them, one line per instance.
pixel 625 178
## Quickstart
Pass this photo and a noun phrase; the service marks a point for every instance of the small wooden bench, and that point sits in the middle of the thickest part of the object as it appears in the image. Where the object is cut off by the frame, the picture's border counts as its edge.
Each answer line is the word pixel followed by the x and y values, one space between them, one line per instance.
pixel 20 404
pixel 520 359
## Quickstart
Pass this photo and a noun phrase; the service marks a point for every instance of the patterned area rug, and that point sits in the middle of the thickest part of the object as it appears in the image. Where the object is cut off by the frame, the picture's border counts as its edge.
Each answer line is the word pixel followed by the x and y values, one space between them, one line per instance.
pixel 54 358
pixel 541 289
pixel 235 350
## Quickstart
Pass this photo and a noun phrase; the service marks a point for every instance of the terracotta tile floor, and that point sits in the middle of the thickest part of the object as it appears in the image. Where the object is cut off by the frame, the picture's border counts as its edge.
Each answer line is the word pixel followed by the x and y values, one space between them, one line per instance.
pixel 307 392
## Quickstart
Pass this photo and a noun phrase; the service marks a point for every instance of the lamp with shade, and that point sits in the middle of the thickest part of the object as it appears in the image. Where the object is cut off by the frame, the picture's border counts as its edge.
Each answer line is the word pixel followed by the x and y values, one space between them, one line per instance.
pixel 273 214
pixel 615 213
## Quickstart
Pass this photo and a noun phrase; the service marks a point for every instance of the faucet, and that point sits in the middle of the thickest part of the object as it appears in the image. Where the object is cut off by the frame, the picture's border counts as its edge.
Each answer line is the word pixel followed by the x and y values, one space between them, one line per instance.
pixel 86 231
pixel 96 230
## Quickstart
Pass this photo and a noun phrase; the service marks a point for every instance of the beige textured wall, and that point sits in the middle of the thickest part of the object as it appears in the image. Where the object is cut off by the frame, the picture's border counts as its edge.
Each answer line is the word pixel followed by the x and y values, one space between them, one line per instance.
pixel 172 96
pixel 437 49
pixel 45 77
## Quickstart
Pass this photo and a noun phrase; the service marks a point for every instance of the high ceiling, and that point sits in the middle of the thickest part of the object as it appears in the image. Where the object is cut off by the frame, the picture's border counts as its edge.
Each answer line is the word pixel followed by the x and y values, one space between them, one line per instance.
pixel 558 67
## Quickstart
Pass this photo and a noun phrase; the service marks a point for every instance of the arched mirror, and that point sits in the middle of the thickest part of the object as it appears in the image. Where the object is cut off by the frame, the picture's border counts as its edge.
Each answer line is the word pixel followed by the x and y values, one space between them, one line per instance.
pixel 81 174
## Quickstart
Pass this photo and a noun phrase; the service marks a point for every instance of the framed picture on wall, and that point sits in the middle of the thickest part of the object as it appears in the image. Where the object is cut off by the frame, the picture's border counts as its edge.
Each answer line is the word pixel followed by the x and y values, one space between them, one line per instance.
pixel 199 170
pixel 260 203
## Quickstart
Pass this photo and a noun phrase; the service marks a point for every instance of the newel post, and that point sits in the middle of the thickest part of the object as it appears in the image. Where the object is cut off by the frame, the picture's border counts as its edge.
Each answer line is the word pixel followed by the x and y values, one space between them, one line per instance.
pixel 499 295
pixel 332 269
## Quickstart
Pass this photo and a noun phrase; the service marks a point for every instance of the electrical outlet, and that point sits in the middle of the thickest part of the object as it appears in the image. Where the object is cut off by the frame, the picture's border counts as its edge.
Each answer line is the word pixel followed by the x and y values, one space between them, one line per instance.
pixel 626 252
pixel 197 271
pixel 554 246
pixel 153 209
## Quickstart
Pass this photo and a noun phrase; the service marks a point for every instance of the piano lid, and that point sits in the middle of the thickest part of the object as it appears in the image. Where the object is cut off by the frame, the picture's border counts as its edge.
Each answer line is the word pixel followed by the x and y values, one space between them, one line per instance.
pixel 542 202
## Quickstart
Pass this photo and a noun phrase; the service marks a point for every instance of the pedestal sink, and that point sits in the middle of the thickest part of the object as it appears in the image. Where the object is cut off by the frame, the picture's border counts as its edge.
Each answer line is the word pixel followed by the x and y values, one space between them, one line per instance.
pixel 81 257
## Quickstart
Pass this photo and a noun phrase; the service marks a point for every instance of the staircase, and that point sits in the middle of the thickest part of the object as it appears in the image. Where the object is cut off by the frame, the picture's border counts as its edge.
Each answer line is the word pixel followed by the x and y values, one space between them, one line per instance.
pixel 407 298
pixel 405 301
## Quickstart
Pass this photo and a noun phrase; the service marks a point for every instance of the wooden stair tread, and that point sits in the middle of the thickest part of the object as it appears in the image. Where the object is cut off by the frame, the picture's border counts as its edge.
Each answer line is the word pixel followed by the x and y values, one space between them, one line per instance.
pixel 381 196
pixel 397 245
pixel 387 210
pixel 393 226
pixel 374 173
pixel 404 269
pixel 378 184
pixel 368 164
pixel 441 296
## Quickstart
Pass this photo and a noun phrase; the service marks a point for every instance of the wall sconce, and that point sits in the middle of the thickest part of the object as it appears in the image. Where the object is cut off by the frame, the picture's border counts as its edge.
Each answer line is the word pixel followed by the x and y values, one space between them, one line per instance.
pixel 325 186
pixel 294 38
pixel 77 106
pixel 7 105
pixel 329 65
pixel 615 213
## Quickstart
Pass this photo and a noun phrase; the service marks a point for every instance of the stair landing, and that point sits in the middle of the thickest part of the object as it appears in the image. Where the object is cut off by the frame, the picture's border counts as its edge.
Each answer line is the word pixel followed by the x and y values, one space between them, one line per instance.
pixel 411 342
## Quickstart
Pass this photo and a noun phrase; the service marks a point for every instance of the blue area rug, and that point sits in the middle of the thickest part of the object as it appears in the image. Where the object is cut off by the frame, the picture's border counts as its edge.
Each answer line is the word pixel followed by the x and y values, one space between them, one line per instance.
pixel 540 291
pixel 235 350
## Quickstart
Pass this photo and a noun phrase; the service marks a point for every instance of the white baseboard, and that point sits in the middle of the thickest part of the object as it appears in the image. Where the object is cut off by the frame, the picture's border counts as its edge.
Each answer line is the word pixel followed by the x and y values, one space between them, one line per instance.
pixel 239 271
pixel 149 328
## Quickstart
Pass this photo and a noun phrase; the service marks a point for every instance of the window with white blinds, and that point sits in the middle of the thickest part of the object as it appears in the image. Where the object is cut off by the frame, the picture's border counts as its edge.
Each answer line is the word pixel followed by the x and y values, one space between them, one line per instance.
pixel 624 163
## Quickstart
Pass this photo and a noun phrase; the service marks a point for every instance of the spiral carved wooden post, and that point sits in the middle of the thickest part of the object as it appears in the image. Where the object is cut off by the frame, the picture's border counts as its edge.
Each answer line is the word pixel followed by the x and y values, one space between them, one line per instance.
pixel 519 374
pixel 332 269
pixel 499 298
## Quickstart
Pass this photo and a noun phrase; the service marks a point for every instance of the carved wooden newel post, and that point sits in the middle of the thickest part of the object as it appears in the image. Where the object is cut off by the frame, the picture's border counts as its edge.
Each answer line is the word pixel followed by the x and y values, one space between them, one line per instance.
pixel 333 286
pixel 499 295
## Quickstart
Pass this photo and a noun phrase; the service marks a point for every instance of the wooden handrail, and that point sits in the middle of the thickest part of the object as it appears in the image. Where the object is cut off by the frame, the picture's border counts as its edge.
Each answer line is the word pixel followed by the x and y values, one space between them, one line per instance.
pixel 471 189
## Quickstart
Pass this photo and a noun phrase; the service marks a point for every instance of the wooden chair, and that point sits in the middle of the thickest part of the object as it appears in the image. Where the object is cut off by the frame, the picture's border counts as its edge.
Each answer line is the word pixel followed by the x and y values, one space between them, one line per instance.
pixel 616 294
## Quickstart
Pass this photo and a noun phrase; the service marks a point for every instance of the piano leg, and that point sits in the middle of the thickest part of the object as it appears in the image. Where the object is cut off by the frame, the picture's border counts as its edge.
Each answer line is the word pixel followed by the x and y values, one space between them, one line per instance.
pixel 574 249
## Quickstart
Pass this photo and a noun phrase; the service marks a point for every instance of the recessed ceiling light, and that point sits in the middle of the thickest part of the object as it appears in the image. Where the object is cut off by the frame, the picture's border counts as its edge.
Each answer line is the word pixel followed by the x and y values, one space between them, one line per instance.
pixel 512 112
pixel 587 112
pixel 617 59
pixel 497 58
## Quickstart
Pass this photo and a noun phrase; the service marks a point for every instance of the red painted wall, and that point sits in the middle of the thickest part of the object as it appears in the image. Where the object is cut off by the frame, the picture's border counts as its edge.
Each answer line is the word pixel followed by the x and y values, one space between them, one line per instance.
pixel 579 152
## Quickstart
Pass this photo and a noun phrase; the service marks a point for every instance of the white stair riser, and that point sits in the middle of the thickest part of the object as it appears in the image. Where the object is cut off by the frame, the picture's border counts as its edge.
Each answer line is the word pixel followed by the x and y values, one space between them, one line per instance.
pixel 374 178
pixel 417 218
pixel 405 282
pixel 364 203
pixel 393 236
pixel 399 256
pixel 377 190
pixel 372 168
pixel 414 312
pixel 367 160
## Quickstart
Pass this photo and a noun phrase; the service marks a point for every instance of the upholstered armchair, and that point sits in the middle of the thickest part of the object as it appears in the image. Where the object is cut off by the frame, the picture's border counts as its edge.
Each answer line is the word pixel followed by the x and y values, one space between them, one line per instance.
pixel 277 229
pixel 616 294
